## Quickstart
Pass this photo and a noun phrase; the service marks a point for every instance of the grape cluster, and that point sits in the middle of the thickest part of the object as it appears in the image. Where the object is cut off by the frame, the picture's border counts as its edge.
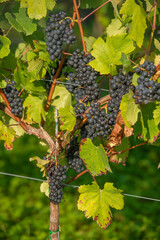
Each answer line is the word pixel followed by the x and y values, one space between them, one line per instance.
pixel 80 109
pixel 12 95
pixel 82 83
pixel 119 85
pixel 147 89
pixel 56 174
pixel 73 156
pixel 57 33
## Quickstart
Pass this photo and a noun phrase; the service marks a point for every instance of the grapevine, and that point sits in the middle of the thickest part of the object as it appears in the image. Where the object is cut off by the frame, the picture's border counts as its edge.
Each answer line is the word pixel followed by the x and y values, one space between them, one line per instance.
pixel 84 102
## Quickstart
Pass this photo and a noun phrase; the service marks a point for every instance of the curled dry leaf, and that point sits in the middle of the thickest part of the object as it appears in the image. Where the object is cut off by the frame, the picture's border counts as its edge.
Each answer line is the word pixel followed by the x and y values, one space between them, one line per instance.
pixel 117 133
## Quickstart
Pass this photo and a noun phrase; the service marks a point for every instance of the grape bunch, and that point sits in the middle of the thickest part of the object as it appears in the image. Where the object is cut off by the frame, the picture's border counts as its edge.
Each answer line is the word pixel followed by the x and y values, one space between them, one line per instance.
pixel 119 85
pixel 58 33
pixel 56 174
pixel 147 89
pixel 12 95
pixel 73 156
pixel 82 83
pixel 80 109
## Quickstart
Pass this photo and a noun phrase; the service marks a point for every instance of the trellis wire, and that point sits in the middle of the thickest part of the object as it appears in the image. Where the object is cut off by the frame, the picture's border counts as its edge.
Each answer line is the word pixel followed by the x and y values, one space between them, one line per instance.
pixel 74 186
pixel 69 83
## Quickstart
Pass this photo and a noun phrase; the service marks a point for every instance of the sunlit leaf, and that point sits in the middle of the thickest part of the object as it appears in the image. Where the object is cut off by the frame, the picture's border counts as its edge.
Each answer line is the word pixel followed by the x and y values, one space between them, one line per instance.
pixel 96 203
pixel 94 157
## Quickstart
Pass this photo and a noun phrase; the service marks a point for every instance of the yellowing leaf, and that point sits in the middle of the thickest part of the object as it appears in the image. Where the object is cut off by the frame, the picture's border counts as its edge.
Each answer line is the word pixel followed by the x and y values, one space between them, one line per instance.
pixel 89 42
pixel 68 118
pixel 94 157
pixel 96 203
pixel 129 110
pixel 38 8
pixel 7 134
pixel 138 24
pixel 44 188
pixel 35 108
pixel 61 97
pixel 115 27
pixel 4 46
pixel 19 131
pixel 108 54
pixel 40 162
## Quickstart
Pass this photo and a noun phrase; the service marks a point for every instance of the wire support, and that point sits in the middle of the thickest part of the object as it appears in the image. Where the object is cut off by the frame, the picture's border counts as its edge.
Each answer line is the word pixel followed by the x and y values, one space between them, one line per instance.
pixel 74 186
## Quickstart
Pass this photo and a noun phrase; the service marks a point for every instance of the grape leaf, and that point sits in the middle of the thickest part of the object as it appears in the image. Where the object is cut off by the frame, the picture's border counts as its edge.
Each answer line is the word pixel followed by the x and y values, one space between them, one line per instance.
pixel 157 44
pixel 35 108
pixel 40 162
pixel 19 131
pixel 121 158
pixel 4 46
pixel 138 24
pixel 96 203
pixel 108 54
pixel 156 115
pixel 61 97
pixel 148 6
pixel 89 42
pixel 134 79
pixel 115 3
pixel 25 22
pixel 95 158
pixel 68 118
pixel 7 135
pixel 3 84
pixel 38 9
pixel 150 130
pixel 44 188
pixel 115 28
pixel 129 110
pixel 13 22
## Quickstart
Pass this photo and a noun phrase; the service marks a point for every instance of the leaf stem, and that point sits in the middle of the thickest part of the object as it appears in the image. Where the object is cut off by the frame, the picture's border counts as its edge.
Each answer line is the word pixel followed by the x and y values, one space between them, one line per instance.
pixel 55 79
pixel 95 10
pixel 153 28
pixel 80 25
pixel 80 174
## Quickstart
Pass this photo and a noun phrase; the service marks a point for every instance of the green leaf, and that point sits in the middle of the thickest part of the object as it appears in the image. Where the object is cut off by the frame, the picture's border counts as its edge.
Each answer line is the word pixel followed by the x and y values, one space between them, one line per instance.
pixel 125 61
pixel 13 22
pixel 156 115
pixel 108 54
pixel 157 44
pixel 7 134
pixel 148 6
pixel 40 162
pixel 25 22
pixel 4 46
pixel 44 188
pixel 38 9
pixel 3 84
pixel 129 110
pixel 94 157
pixel 138 24
pixel 115 28
pixel 61 97
pixel 134 79
pixel 121 158
pixel 20 50
pixel 150 130
pixel 19 131
pixel 68 118
pixel 115 3
pixel 96 203
pixel 35 108
pixel 89 42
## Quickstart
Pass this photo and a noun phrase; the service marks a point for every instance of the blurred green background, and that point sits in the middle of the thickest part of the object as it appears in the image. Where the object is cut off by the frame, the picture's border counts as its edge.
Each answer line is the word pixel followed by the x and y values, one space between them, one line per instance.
pixel 24 211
